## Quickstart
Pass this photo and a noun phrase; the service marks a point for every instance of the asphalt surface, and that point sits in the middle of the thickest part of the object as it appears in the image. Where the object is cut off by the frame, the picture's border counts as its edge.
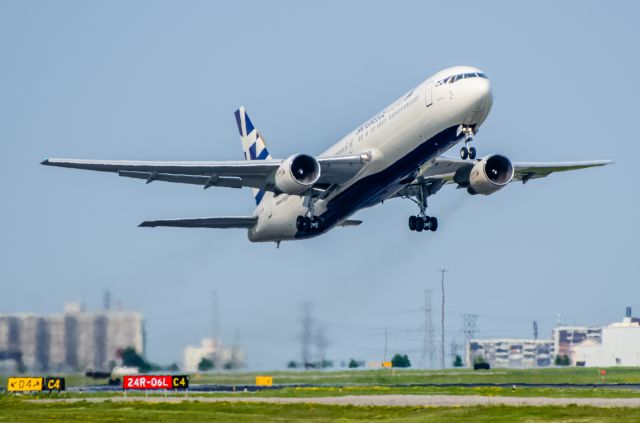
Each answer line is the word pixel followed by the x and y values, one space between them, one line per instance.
pixel 254 388
pixel 382 400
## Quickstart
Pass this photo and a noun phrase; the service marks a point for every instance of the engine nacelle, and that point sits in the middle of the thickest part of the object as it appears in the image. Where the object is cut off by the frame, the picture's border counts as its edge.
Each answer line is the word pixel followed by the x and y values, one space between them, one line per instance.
pixel 296 174
pixel 490 174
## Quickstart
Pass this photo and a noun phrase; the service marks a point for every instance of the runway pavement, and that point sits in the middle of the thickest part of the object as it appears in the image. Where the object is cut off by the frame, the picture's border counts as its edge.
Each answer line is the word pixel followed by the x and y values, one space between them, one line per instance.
pixel 382 400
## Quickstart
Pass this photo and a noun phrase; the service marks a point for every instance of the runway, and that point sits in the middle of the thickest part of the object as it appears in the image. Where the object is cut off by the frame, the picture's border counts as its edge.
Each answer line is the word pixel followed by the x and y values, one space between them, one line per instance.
pixel 379 400
pixel 254 388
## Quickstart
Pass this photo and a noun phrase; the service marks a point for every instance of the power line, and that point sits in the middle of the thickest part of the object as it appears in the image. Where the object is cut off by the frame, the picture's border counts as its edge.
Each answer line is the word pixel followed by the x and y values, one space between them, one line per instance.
pixel 385 344
pixel 453 350
pixel 215 316
pixel 443 271
pixel 306 337
pixel 469 327
pixel 428 345
pixel 321 344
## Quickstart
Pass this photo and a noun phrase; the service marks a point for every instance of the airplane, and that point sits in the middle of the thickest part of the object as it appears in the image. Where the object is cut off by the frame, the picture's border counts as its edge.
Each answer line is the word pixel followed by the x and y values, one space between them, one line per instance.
pixel 398 153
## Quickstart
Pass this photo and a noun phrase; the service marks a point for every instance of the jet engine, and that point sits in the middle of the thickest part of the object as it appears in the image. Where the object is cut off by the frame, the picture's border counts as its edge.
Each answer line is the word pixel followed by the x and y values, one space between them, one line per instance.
pixel 489 174
pixel 296 174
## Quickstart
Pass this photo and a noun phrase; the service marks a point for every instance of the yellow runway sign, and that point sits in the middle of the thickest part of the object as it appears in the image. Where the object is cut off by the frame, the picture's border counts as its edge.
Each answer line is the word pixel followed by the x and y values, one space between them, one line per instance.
pixel 264 380
pixel 24 384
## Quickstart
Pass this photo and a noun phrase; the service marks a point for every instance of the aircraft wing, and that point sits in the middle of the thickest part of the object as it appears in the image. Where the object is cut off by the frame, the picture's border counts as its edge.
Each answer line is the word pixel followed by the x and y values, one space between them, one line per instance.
pixel 442 170
pixel 233 174
pixel 205 222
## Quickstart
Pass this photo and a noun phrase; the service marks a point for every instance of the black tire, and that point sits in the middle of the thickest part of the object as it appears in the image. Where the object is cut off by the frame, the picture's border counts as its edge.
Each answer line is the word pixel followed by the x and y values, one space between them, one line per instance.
pixel 464 153
pixel 412 223
pixel 419 224
pixel 472 153
pixel 433 224
pixel 306 224
pixel 299 223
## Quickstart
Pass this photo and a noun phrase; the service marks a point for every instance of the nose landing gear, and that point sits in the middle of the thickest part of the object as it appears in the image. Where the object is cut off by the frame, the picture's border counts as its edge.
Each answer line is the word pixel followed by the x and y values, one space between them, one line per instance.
pixel 466 151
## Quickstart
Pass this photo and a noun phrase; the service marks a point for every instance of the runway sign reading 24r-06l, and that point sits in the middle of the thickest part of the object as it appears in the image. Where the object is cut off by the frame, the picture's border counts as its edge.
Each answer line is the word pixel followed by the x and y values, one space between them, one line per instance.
pixel 155 382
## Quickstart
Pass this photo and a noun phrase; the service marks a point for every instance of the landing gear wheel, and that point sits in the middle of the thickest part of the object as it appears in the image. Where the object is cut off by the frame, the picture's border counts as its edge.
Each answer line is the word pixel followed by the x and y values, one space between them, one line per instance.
pixel 299 223
pixel 472 153
pixel 419 224
pixel 412 223
pixel 306 224
pixel 433 224
pixel 464 153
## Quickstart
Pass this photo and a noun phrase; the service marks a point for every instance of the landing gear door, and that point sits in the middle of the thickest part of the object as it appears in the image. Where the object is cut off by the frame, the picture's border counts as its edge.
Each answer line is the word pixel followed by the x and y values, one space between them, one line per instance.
pixel 428 95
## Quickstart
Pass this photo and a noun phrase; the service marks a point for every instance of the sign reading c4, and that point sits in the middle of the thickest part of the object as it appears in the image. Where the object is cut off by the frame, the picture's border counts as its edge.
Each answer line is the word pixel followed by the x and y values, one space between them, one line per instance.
pixel 180 382
pixel 54 384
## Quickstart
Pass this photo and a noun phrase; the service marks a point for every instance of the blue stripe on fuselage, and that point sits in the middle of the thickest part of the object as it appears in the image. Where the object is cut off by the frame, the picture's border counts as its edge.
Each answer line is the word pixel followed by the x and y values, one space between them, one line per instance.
pixel 375 188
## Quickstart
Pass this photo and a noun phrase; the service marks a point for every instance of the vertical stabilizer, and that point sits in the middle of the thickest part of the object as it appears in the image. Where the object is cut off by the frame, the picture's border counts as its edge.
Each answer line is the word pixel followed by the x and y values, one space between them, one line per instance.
pixel 253 144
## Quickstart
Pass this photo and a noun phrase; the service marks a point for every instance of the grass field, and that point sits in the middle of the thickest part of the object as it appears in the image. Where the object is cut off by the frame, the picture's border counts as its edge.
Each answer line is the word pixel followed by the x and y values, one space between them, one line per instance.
pixel 311 392
pixel 397 376
pixel 580 375
pixel 18 410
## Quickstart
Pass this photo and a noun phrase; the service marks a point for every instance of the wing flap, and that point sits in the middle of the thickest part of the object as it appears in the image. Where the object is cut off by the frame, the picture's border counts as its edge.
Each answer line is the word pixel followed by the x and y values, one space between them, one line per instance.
pixel 350 222
pixel 244 222
pixel 206 181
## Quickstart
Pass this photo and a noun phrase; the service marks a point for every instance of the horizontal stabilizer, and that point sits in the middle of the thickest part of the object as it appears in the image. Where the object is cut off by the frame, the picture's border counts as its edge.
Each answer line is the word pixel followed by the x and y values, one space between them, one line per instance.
pixel 244 222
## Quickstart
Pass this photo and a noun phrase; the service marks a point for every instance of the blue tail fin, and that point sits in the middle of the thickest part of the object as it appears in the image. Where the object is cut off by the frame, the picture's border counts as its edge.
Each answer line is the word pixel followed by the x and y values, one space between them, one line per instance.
pixel 253 144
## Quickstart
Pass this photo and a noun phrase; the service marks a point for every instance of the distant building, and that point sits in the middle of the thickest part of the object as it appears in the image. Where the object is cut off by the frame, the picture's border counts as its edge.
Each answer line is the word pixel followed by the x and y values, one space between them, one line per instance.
pixel 75 340
pixel 619 346
pixel 565 337
pixel 516 353
pixel 212 349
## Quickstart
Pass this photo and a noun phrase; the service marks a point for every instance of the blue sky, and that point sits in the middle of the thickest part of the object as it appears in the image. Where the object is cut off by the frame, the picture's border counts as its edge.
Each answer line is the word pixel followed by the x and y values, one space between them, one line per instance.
pixel 160 80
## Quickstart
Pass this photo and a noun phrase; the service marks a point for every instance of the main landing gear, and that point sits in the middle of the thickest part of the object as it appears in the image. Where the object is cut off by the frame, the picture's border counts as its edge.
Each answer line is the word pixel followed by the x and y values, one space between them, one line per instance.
pixel 309 223
pixel 422 222
pixel 466 151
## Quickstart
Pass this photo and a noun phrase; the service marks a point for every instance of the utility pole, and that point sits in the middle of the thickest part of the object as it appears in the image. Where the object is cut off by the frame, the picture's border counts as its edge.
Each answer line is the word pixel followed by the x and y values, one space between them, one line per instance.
pixel 469 326
pixel 215 317
pixel 443 271
pixel 428 345
pixel 385 345
pixel 307 325
pixel 106 300
pixel 321 344
pixel 454 350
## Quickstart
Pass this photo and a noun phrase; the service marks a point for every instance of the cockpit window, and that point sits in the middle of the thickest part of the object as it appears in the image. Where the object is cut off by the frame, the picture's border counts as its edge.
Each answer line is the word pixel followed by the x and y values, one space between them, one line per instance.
pixel 453 78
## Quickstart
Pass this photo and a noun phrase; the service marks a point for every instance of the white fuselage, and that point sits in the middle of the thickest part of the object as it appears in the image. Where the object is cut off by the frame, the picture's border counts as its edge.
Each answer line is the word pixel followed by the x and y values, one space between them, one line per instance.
pixel 418 127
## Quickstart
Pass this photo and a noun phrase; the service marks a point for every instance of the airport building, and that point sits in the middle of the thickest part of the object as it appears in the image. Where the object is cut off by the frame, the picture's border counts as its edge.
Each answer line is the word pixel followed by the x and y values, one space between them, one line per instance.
pixel 565 337
pixel 212 349
pixel 75 340
pixel 517 353
pixel 619 346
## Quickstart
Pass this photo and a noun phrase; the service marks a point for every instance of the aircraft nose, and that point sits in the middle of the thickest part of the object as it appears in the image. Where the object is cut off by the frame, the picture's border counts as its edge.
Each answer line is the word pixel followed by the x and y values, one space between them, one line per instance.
pixel 481 97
